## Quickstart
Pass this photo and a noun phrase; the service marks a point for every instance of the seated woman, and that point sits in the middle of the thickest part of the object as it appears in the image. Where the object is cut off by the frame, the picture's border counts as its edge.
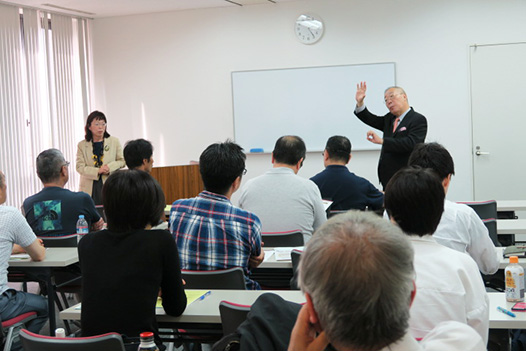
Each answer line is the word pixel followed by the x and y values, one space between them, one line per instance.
pixel 125 266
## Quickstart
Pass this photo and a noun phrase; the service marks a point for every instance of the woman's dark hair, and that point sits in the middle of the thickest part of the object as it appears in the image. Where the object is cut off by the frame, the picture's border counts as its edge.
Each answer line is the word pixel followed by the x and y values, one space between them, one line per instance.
pixel 132 199
pixel 95 115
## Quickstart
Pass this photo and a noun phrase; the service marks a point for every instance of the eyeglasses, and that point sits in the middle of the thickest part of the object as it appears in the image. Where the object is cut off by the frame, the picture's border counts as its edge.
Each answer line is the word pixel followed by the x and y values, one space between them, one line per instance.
pixel 99 124
pixel 390 97
pixel 244 171
pixel 66 164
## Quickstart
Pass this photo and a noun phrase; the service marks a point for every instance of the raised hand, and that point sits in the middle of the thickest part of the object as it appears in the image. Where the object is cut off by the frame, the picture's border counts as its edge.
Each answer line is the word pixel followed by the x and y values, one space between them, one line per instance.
pixel 361 88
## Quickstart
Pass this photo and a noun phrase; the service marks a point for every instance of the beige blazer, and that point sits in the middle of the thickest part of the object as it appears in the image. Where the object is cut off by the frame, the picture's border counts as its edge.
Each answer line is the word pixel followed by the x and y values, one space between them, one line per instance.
pixel 113 157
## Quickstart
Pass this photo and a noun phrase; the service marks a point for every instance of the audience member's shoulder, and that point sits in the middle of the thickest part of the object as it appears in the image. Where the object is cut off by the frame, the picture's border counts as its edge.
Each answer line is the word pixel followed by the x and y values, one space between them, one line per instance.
pixel 11 211
pixel 453 336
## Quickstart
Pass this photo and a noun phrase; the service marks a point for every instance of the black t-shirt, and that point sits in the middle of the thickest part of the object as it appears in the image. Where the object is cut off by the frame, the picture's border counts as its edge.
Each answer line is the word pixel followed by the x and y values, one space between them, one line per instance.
pixel 54 211
pixel 121 277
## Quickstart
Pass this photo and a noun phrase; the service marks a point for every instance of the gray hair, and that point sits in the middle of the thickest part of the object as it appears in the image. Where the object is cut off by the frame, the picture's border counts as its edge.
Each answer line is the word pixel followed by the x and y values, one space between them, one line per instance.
pixel 399 89
pixel 358 270
pixel 49 165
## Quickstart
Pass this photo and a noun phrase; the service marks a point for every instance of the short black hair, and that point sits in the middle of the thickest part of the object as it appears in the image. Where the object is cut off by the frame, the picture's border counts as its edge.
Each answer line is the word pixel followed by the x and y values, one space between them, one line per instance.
pixel 136 151
pixel 434 156
pixel 220 164
pixel 414 198
pixel 95 115
pixel 289 149
pixel 132 199
pixel 339 148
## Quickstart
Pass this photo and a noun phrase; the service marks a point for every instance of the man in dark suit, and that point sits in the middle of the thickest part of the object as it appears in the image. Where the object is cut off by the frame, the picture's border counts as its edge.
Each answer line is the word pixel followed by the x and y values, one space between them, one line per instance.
pixel 402 129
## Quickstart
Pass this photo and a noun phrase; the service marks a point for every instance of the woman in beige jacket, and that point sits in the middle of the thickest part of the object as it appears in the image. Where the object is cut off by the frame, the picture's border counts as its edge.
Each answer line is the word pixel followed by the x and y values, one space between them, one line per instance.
pixel 98 156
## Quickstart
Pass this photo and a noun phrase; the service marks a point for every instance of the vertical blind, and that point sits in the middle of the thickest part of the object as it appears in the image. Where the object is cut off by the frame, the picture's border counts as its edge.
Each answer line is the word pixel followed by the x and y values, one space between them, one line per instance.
pixel 44 93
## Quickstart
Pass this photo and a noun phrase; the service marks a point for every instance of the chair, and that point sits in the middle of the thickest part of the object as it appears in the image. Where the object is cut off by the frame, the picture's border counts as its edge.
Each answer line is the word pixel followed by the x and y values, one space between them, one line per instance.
pixel 36 342
pixel 484 209
pixel 491 224
pixel 11 328
pixel 232 315
pixel 60 241
pixel 295 256
pixel 283 239
pixel 233 278
pixel 335 212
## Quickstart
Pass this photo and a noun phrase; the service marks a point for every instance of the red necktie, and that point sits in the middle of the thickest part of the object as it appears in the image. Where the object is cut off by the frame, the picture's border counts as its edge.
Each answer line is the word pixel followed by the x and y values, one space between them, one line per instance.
pixel 396 123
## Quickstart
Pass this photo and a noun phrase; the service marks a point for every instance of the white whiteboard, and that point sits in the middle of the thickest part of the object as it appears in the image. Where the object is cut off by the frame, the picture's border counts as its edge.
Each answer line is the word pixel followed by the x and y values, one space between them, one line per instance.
pixel 314 103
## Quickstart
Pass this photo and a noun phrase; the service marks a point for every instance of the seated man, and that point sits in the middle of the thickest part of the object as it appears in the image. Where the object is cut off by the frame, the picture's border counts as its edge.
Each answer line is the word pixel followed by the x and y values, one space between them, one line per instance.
pixel 282 200
pixel 138 155
pixel 209 231
pixel 54 211
pixel 371 310
pixel 345 189
pixel 460 227
pixel 448 282
pixel 14 230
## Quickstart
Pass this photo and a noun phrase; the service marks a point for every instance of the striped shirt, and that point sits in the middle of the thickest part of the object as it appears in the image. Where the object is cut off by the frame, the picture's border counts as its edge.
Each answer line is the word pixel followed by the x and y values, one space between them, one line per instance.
pixel 213 234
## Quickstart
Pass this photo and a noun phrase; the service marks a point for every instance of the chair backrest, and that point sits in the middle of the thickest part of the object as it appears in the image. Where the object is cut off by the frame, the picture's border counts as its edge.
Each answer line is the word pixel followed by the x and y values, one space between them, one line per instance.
pixel 295 256
pixel 491 224
pixel 36 342
pixel 60 241
pixel 283 239
pixel 232 315
pixel 484 209
pixel 232 278
pixel 335 212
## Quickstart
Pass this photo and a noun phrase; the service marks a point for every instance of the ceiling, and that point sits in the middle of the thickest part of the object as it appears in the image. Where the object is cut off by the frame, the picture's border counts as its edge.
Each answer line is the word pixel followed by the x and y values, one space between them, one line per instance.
pixel 110 8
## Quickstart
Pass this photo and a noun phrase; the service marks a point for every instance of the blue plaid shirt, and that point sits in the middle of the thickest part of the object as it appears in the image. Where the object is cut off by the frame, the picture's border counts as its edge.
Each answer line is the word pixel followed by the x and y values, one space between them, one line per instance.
pixel 213 234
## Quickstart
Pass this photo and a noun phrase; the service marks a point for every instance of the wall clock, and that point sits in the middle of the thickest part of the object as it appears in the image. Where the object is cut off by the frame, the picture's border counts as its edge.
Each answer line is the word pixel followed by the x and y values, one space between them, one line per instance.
pixel 308 28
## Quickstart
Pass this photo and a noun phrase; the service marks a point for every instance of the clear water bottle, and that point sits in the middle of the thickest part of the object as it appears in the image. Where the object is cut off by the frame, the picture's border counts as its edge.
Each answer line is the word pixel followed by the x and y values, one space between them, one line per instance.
pixel 514 276
pixel 147 342
pixel 82 226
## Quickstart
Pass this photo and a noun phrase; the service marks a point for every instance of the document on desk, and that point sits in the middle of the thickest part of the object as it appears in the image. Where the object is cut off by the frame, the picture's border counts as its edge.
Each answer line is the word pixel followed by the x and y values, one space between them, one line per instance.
pixel 268 255
pixel 283 253
pixel 21 256
pixel 191 296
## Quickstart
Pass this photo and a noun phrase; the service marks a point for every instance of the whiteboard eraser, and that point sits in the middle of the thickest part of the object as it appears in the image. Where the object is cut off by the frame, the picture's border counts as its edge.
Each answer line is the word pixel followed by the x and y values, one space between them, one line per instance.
pixel 256 150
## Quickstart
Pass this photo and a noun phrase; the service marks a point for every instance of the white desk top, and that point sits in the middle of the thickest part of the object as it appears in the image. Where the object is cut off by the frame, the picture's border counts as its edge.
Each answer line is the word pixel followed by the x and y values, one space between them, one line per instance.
pixel 499 320
pixel 55 257
pixel 511 205
pixel 511 226
pixel 207 310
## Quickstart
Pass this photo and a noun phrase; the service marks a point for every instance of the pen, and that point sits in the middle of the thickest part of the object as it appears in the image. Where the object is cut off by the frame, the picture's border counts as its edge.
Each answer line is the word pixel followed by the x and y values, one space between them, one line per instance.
pixel 505 311
pixel 202 297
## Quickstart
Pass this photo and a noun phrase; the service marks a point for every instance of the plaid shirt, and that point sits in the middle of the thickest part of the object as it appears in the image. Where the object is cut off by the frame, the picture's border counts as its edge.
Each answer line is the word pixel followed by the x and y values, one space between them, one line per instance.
pixel 213 234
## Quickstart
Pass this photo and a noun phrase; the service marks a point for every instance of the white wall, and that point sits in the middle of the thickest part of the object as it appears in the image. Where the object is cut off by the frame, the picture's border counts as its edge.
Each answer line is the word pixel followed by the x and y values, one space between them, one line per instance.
pixel 166 77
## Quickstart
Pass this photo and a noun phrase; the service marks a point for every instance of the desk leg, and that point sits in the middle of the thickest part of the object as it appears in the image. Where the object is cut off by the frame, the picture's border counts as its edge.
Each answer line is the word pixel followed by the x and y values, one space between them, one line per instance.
pixel 51 303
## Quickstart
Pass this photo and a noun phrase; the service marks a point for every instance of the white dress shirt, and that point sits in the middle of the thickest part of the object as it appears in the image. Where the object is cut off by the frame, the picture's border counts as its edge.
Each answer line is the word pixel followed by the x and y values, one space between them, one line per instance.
pixel 448 288
pixel 461 229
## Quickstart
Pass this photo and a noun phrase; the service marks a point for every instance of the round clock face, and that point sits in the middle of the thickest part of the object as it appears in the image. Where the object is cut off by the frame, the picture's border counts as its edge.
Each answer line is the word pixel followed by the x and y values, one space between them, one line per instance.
pixel 308 29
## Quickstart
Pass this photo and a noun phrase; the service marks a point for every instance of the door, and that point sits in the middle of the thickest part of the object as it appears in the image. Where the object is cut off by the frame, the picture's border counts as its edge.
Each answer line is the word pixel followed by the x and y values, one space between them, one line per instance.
pixel 498 102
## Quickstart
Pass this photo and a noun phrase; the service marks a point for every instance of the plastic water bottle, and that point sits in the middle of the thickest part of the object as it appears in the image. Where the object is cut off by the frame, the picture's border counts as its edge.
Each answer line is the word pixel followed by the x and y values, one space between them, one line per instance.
pixel 82 226
pixel 147 343
pixel 514 275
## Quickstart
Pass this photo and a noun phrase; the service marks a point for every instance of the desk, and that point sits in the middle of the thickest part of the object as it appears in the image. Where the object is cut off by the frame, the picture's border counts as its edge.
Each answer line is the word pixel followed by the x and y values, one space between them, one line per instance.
pixel 511 226
pixel 205 311
pixel 55 257
pixel 499 320
pixel 511 205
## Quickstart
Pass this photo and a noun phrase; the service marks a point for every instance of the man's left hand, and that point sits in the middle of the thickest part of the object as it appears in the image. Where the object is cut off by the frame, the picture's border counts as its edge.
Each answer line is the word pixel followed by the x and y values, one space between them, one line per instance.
pixel 374 138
